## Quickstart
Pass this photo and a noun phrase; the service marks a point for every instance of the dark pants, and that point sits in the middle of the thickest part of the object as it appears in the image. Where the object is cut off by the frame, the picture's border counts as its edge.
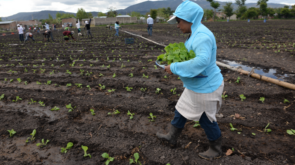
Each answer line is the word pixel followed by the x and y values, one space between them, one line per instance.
pixel 89 33
pixel 50 35
pixel 150 29
pixel 21 37
pixel 211 129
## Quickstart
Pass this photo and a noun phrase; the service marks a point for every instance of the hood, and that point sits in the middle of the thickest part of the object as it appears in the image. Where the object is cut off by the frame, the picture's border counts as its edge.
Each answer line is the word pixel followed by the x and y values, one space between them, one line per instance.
pixel 190 12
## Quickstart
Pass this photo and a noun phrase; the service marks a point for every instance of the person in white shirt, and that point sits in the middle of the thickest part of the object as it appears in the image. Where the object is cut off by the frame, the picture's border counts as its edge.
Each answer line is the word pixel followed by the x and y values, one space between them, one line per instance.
pixel 150 23
pixel 20 32
pixel 78 26
pixel 46 26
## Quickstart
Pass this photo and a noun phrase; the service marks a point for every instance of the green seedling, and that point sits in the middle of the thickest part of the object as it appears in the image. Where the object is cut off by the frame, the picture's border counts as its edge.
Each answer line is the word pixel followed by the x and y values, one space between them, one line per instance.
pixel 85 148
pixel 88 86
pixel 32 101
pixel 52 72
pixel 55 108
pixel 78 85
pixel 109 66
pixel 238 80
pixel 165 77
pixel 158 90
pixel 224 96
pixel 38 83
pixel 81 71
pixel 254 134
pixel 5 79
pixel 286 101
pixel 267 130
pixel 242 97
pixel 11 132
pixel 131 74
pixel 26 83
pixel 92 112
pixel 42 144
pixel 233 149
pixel 128 89
pixel 130 114
pixel 68 85
pixel 16 99
pixel 155 66
pixel 116 112
pixel 19 80
pixel 197 124
pixel 173 91
pixel 136 157
pixel 48 82
pixel 262 99
pixel 168 164
pixel 152 117
pixel 145 76
pixel 11 80
pixel 111 90
pixel 109 159
pixel 70 107
pixel 114 75
pixel 100 75
pixel 291 132
pixel 102 87
pixel 41 103
pixel 2 97
pixel 143 89
pixel 33 136
pixel 65 150
pixel 68 72
pixel 232 127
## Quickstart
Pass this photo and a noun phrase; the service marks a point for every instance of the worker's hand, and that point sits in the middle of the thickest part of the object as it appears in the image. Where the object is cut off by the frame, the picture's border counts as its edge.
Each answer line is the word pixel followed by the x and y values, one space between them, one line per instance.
pixel 168 70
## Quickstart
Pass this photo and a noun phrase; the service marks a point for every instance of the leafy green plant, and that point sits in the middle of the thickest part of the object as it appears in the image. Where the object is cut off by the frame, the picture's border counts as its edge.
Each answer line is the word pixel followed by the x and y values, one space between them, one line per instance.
pixel 100 75
pixel 92 112
pixel 11 80
pixel 109 159
pixel 145 76
pixel 143 89
pixel 85 148
pixel 136 157
pixel 286 101
pixel 32 138
pixel 158 90
pixel 197 124
pixel 176 52
pixel 155 66
pixel 254 134
pixel 242 97
pixel 267 130
pixel 55 108
pixel 2 97
pixel 238 80
pixel 131 74
pixel 111 90
pixel 32 101
pixel 116 112
pixel 152 117
pixel 88 86
pixel 41 103
pixel 232 127
pixel 291 132
pixel 19 80
pixel 78 85
pixel 128 89
pixel 68 85
pixel 69 72
pixel 42 144
pixel 224 96
pixel 69 107
pixel 130 114
pixel 69 146
pixel 102 87
pixel 16 99
pixel 262 99
pixel 11 132
pixel 38 83
pixel 48 82
pixel 173 91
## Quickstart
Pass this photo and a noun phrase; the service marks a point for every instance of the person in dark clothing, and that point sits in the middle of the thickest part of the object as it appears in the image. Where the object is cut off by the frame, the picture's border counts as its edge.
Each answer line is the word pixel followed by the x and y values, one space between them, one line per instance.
pixel 48 34
pixel 67 35
pixel 87 26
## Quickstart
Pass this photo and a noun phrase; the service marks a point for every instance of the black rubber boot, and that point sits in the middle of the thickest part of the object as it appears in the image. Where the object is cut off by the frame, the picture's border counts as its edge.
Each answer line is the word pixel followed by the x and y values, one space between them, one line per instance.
pixel 214 151
pixel 171 137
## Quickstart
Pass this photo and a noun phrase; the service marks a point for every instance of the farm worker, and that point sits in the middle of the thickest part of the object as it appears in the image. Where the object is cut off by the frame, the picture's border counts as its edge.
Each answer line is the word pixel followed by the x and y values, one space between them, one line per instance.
pixel 87 26
pixel 20 32
pixel 117 28
pixel 29 35
pixel 67 35
pixel 201 99
pixel 46 26
pixel 48 34
pixel 150 23
pixel 78 26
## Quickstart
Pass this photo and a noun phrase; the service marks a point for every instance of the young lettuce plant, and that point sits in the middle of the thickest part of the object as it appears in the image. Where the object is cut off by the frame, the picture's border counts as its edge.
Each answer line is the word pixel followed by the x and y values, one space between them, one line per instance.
pixel 19 80
pixel 242 97
pixel 267 130
pixel 158 90
pixel 11 132
pixel 152 117
pixel 92 112
pixel 102 87
pixel 238 80
pixel 128 89
pixel 85 148
pixel 130 114
pixel 143 89
pixel 286 101
pixel 33 136
pixel 88 86
pixel 291 132
pixel 197 124
pixel 2 97
pixel 55 108
pixel 262 99
pixel 145 76
pixel 16 99
pixel 232 127
pixel 114 113
pixel 69 146
pixel 109 159
pixel 70 108
pixel 173 91
pixel 41 103
pixel 136 157
pixel 42 144
pixel 32 101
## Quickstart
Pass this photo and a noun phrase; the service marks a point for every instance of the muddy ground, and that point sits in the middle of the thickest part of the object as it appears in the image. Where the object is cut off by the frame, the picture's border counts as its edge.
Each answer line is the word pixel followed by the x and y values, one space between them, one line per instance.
pixel 54 72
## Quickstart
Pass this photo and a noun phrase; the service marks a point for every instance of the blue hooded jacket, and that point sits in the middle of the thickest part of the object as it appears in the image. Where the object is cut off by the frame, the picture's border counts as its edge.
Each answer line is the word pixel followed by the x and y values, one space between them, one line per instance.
pixel 203 43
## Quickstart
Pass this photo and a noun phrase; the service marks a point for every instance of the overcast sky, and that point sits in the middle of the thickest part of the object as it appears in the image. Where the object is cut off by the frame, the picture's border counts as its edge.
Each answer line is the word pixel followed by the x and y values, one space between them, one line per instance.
pixel 10 7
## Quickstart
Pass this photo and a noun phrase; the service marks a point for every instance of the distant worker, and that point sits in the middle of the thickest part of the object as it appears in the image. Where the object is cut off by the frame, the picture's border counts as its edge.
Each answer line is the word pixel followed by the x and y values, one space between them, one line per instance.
pixel 46 26
pixel 117 28
pixel 48 34
pixel 20 32
pixel 29 35
pixel 87 26
pixel 78 26
pixel 150 23
pixel 67 35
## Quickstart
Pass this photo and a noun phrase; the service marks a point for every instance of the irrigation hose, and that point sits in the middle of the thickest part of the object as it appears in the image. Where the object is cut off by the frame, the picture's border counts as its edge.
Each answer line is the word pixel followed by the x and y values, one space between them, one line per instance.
pixel 254 75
